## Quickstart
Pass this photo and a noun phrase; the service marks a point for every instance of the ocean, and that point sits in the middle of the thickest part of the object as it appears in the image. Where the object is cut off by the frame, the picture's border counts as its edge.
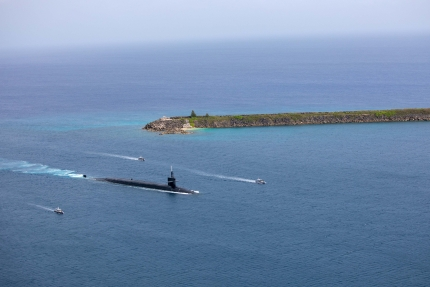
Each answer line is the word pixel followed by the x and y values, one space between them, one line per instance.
pixel 344 204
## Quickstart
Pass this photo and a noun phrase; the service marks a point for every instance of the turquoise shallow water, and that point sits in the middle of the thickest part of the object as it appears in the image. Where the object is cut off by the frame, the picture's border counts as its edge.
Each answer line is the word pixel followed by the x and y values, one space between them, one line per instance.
pixel 343 204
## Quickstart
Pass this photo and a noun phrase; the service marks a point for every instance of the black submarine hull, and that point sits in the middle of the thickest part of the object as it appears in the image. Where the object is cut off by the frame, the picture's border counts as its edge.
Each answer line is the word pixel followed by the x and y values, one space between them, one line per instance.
pixel 147 184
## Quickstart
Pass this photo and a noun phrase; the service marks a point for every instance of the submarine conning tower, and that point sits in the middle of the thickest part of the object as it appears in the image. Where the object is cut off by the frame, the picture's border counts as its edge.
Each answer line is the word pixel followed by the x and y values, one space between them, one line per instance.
pixel 171 181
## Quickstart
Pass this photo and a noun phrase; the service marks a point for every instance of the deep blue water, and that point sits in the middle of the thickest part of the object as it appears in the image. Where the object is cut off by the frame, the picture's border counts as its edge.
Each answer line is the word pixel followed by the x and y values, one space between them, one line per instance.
pixel 344 205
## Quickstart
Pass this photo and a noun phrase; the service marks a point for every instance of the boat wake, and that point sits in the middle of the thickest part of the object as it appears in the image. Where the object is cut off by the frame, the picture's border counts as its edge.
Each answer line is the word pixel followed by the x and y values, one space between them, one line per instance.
pixel 115 155
pixel 235 178
pixel 166 191
pixel 35 168
pixel 42 207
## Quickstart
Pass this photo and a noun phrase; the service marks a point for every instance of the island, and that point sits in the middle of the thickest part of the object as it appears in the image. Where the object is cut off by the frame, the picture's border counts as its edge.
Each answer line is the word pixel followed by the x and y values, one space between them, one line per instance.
pixel 185 124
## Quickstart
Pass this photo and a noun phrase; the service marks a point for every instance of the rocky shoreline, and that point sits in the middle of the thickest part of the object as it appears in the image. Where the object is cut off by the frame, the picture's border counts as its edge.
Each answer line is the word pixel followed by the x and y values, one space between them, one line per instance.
pixel 184 125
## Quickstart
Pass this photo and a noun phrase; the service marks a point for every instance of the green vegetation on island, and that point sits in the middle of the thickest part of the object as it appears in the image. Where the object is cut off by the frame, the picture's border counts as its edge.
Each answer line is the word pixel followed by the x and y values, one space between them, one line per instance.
pixel 181 124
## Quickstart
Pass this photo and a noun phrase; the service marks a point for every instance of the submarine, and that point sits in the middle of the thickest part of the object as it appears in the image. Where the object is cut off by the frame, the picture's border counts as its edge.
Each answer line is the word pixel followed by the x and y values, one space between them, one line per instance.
pixel 169 187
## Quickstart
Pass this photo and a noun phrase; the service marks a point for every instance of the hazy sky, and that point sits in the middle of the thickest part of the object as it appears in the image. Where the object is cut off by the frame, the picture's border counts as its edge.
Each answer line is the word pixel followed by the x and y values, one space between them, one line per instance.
pixel 41 23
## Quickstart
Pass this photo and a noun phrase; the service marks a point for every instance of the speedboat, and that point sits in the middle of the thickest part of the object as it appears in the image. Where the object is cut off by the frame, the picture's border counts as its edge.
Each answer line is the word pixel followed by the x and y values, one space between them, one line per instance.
pixel 260 181
pixel 140 158
pixel 58 211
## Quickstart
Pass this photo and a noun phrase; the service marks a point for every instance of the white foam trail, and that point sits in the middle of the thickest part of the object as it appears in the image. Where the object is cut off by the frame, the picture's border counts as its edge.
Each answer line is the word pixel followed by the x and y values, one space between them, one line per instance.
pixel 35 168
pixel 115 155
pixel 43 207
pixel 76 175
pixel 235 178
pixel 163 191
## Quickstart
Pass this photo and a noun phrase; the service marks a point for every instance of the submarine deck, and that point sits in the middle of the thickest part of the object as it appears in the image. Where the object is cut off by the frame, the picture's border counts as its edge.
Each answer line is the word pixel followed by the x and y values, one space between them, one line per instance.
pixel 147 184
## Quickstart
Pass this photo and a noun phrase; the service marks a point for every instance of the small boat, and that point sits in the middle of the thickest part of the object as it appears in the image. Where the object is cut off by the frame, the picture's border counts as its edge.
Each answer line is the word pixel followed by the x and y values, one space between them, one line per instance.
pixel 260 181
pixel 140 158
pixel 58 211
